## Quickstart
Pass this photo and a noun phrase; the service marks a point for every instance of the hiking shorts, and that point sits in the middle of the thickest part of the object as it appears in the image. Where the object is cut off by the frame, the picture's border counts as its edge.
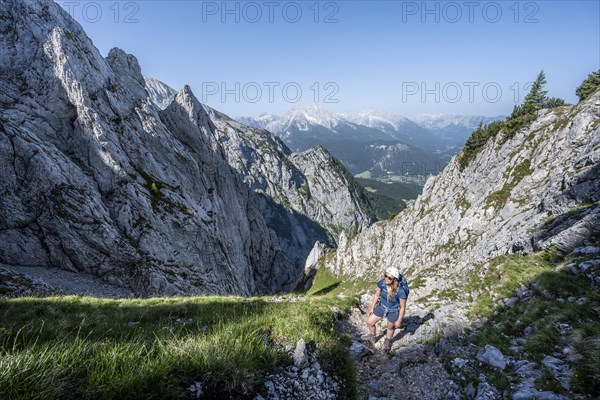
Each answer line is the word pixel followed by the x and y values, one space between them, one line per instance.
pixel 392 316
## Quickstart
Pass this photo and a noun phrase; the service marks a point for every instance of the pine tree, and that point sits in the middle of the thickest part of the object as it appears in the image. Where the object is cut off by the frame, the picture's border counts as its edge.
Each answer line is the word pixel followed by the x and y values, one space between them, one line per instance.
pixel 554 102
pixel 536 98
pixel 588 86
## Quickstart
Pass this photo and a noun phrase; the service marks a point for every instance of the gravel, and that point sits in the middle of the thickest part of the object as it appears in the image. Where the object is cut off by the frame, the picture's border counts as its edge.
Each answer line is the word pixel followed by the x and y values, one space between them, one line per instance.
pixel 67 282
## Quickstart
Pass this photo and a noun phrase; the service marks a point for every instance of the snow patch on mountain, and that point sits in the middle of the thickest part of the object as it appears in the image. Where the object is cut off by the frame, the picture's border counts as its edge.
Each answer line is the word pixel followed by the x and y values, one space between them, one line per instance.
pixel 304 118
pixel 261 122
pixel 442 120
pixel 376 119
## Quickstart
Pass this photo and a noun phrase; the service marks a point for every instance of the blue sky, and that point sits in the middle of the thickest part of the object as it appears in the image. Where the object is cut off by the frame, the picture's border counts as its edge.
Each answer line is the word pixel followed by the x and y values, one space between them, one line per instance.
pixel 405 57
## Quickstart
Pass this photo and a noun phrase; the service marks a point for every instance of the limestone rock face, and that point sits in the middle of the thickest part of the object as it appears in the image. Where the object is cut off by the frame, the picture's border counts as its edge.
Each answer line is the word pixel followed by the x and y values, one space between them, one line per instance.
pixel 540 188
pixel 161 94
pixel 97 178
pixel 333 198
pixel 305 197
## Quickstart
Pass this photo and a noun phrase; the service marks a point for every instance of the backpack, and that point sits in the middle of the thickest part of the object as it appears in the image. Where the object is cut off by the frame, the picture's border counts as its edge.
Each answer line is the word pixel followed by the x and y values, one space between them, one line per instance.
pixel 403 283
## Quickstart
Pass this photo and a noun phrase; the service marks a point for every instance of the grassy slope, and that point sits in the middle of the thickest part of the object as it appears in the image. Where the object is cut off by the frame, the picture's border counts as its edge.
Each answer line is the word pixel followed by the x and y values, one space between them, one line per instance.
pixel 558 299
pixel 74 347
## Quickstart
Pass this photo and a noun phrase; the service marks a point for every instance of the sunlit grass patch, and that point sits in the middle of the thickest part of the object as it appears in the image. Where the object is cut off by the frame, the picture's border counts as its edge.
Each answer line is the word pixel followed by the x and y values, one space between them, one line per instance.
pixel 326 283
pixel 502 277
pixel 561 313
pixel 85 348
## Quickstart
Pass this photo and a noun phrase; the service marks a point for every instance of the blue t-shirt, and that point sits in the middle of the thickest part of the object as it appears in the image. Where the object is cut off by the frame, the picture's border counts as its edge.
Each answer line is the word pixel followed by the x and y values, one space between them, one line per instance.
pixel 395 302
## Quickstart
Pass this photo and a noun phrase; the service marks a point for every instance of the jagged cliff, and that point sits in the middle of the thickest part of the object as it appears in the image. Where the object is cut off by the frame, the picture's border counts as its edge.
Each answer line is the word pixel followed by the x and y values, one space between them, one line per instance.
pixel 97 179
pixel 160 93
pixel 538 189
pixel 304 197
pixel 119 175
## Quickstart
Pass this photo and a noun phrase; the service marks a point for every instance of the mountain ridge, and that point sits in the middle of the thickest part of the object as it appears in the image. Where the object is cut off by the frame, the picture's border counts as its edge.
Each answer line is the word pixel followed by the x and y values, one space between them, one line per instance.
pixel 536 190
pixel 296 190
pixel 144 186
pixel 370 141
pixel 96 182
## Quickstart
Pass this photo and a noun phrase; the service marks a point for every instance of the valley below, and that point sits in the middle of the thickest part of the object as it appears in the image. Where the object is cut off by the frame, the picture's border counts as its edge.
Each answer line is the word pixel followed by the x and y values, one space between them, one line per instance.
pixel 152 247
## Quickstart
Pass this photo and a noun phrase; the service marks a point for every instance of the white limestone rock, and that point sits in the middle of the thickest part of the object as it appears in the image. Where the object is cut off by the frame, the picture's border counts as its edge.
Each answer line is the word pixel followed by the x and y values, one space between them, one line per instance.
pixel 97 178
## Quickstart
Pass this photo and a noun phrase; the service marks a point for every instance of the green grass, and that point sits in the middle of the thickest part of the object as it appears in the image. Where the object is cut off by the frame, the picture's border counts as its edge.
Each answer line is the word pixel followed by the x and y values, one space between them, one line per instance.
pixel 84 348
pixel 499 379
pixel 326 283
pixel 416 283
pixel 394 190
pixel 503 277
pixel 548 382
pixel 586 375
pixel 450 294
pixel 539 318
pixel 499 198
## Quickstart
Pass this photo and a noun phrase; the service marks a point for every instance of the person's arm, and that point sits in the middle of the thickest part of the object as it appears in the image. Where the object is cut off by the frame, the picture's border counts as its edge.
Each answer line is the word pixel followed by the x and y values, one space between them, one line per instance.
pixel 375 300
pixel 398 323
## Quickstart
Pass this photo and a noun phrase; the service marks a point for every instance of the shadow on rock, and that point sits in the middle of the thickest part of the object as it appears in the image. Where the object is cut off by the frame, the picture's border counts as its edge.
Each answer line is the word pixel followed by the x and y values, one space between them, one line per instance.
pixel 411 325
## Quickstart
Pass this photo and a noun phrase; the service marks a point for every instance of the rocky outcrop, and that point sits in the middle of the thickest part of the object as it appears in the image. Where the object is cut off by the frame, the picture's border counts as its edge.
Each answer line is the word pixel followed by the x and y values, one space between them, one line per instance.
pixel 333 199
pixel 97 179
pixel 433 363
pixel 538 189
pixel 305 197
pixel 160 93
pixel 305 379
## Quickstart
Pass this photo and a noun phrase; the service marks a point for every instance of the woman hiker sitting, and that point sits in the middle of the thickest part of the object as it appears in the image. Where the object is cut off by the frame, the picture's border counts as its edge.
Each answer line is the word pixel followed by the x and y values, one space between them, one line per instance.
pixel 389 301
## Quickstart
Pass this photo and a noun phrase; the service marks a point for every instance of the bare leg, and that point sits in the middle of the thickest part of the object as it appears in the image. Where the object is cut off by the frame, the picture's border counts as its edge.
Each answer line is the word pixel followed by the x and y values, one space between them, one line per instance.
pixel 389 333
pixel 371 321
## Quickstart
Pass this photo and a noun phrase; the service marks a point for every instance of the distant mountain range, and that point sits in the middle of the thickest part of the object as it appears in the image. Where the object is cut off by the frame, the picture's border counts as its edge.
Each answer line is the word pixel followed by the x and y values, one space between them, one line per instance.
pixel 453 129
pixel 377 143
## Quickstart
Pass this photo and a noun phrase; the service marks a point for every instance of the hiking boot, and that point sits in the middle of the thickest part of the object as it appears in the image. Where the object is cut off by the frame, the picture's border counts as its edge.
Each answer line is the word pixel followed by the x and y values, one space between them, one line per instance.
pixel 387 345
pixel 369 338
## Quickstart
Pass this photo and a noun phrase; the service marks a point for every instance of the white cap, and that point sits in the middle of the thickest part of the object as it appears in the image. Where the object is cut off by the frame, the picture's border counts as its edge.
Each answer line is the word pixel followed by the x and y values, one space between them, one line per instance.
pixel 393 272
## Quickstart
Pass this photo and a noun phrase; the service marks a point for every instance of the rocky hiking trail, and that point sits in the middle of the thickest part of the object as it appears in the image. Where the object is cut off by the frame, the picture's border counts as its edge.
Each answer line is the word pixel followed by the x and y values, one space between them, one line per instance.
pixel 448 369
pixel 431 356
pixel 448 364
pixel 409 370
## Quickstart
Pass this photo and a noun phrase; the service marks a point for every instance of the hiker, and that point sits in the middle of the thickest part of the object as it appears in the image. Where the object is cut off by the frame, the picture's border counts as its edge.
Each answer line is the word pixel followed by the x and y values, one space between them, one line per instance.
pixel 389 301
